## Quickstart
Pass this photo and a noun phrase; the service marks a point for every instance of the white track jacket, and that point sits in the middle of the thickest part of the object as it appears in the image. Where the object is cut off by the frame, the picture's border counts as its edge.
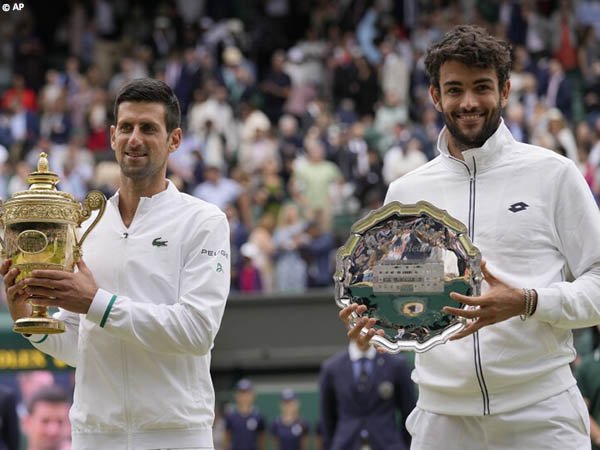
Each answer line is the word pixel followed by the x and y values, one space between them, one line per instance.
pixel 142 352
pixel 533 217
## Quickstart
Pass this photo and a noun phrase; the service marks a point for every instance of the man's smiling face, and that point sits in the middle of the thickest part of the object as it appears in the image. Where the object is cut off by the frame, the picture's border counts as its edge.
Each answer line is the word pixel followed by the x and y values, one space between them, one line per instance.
pixel 471 103
pixel 141 142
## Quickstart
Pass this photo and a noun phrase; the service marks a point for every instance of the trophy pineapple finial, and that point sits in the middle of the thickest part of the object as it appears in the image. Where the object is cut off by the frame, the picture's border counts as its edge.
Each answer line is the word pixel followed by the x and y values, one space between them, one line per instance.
pixel 42 165
pixel 42 178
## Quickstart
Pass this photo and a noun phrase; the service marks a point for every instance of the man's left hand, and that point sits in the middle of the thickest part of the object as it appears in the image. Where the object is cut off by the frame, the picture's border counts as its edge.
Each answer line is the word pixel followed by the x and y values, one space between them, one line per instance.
pixel 499 303
pixel 73 291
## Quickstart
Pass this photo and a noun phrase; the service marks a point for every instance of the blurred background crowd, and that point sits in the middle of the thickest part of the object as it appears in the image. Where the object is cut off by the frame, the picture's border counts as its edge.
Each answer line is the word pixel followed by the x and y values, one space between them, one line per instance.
pixel 296 114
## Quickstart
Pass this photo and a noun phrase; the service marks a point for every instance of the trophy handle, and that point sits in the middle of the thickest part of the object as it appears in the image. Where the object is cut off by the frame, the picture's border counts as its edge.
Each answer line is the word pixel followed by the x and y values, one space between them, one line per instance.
pixel 94 200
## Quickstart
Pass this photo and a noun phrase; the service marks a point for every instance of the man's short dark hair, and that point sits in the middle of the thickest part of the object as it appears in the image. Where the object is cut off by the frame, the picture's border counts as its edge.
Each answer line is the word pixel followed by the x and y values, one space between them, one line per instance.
pixel 152 91
pixel 472 46
pixel 47 394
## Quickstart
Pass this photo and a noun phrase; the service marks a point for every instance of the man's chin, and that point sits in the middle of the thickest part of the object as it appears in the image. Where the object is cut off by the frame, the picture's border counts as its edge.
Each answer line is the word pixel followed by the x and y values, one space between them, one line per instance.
pixel 473 138
pixel 466 142
pixel 133 172
pixel 471 134
pixel 474 142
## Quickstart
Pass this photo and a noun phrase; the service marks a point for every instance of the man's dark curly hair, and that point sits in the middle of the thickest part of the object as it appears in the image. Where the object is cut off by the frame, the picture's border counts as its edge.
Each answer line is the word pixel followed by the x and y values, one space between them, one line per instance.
pixel 472 46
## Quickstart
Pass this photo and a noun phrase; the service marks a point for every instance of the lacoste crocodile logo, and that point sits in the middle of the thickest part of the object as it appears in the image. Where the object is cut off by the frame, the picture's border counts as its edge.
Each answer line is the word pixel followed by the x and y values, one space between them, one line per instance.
pixel 158 243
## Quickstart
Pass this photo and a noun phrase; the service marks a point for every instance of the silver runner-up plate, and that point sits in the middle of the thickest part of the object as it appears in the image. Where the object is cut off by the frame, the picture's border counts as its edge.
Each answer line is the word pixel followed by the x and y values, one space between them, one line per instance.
pixel 402 261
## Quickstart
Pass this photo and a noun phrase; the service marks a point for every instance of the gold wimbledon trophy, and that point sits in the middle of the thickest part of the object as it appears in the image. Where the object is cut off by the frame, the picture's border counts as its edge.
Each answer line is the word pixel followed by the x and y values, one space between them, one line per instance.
pixel 39 227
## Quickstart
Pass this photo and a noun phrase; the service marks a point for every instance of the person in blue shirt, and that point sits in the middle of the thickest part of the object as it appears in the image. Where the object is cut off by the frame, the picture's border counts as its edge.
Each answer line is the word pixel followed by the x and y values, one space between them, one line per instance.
pixel 244 424
pixel 289 430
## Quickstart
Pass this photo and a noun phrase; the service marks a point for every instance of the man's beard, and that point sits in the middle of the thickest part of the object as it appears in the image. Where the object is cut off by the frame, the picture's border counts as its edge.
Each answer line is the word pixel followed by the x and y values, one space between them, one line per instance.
pixel 464 142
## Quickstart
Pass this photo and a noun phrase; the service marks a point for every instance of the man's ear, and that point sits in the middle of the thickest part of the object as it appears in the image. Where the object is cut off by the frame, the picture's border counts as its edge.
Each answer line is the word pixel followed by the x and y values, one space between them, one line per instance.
pixel 112 137
pixel 175 139
pixel 436 98
pixel 504 94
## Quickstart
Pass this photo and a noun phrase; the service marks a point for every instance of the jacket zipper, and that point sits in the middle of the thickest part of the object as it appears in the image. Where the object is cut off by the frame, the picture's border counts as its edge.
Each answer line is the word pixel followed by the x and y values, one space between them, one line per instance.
pixel 476 348
pixel 126 397
pixel 126 394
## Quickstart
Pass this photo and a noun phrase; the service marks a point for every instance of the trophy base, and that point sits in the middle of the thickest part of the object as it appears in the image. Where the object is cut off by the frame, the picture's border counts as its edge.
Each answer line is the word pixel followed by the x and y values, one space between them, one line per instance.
pixel 39 325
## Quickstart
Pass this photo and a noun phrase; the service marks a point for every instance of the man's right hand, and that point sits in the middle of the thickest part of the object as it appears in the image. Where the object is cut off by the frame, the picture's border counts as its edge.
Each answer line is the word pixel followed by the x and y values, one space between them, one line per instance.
pixel 16 297
pixel 364 323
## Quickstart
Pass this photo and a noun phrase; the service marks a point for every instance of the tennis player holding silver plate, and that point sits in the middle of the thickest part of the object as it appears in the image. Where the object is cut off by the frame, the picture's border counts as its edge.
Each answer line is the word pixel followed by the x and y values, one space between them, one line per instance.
pixel 402 261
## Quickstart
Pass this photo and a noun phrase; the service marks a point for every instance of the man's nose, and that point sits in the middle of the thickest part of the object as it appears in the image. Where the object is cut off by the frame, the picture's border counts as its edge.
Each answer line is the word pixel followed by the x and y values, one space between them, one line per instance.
pixel 135 139
pixel 469 100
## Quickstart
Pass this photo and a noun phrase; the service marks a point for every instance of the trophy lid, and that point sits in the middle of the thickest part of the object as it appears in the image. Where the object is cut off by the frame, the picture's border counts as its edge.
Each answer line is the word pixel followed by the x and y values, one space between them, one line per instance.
pixel 42 178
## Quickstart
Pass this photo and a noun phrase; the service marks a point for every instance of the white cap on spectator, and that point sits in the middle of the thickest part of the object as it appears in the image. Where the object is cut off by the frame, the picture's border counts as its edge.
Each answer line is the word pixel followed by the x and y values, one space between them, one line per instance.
pixel 262 124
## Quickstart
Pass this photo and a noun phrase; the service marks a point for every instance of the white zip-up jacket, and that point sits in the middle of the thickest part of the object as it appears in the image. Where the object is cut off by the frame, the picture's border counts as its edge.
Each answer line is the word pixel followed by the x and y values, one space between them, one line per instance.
pixel 533 217
pixel 142 352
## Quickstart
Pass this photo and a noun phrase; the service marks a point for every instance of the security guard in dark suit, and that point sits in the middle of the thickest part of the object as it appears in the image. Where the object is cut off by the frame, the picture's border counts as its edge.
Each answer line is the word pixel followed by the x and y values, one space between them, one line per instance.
pixel 361 392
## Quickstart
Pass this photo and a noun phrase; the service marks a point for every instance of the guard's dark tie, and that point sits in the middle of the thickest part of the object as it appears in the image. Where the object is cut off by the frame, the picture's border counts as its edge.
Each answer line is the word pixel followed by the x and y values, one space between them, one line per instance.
pixel 363 373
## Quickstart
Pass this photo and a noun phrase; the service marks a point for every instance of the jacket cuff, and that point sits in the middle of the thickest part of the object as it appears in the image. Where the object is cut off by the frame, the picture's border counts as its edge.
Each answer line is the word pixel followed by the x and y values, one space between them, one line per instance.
pixel 35 338
pixel 101 306
pixel 549 305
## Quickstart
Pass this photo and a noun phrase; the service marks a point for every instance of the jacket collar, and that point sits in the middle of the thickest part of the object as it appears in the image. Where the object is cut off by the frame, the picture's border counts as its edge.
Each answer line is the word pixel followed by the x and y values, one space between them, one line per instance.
pixel 477 159
pixel 155 199
pixel 160 200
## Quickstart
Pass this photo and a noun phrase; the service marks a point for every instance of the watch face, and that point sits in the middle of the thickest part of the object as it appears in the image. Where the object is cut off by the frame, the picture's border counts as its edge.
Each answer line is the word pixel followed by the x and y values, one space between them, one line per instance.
pixel 402 261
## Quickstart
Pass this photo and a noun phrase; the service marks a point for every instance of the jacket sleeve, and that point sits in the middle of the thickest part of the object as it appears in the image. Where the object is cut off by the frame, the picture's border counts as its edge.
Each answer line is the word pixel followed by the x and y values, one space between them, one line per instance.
pixel 327 406
pixel 574 304
pixel 61 346
pixel 190 324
